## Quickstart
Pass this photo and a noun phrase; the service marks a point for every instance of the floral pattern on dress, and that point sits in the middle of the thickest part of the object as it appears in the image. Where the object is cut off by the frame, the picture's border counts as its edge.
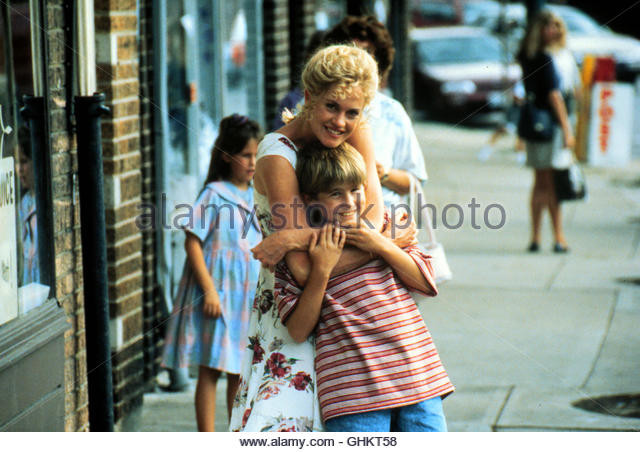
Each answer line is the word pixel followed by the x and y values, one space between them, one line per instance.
pixel 277 390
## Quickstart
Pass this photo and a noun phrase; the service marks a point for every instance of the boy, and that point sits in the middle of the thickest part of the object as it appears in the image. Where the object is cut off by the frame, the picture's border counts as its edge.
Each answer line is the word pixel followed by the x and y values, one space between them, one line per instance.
pixel 377 368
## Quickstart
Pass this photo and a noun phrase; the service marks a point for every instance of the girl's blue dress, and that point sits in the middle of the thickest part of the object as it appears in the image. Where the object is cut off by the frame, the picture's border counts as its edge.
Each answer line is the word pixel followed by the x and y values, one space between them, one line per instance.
pixel 223 219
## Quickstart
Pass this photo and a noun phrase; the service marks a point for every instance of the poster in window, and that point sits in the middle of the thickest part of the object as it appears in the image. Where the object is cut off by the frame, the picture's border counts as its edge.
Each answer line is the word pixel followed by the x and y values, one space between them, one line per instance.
pixel 8 244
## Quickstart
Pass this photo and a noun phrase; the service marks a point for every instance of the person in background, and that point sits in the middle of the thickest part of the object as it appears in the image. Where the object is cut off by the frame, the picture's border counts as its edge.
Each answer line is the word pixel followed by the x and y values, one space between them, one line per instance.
pixel 543 84
pixel 210 319
pixel 296 96
pixel 398 154
pixel 566 67
pixel 509 126
pixel 27 212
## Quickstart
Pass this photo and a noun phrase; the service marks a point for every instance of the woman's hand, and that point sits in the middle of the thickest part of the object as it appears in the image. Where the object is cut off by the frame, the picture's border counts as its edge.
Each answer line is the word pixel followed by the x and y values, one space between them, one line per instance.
pixel 211 304
pixel 325 248
pixel 569 139
pixel 402 234
pixel 271 250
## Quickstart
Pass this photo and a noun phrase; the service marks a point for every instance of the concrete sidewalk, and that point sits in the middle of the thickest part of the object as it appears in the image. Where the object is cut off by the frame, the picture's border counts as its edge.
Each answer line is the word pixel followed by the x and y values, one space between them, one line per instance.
pixel 522 335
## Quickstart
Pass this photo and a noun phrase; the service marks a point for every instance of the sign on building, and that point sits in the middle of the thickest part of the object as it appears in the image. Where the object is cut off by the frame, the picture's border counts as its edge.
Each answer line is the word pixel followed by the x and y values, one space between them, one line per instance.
pixel 8 244
pixel 611 124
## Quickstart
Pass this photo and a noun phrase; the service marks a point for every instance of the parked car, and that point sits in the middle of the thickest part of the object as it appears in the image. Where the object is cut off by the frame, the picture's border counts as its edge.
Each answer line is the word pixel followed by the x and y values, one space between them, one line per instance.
pixel 585 35
pixel 436 12
pixel 461 70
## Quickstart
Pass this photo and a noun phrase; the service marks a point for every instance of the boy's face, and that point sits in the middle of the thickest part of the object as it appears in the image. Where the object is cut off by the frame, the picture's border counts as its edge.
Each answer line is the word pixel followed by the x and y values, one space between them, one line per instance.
pixel 343 202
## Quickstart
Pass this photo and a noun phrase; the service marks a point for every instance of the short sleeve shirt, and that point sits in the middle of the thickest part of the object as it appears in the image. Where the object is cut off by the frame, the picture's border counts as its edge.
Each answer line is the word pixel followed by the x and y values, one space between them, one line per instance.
pixel 540 78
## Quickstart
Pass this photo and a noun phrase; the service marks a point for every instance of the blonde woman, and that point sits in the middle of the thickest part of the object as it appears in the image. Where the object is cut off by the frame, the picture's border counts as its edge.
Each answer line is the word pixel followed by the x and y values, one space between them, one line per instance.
pixel 278 385
pixel 543 86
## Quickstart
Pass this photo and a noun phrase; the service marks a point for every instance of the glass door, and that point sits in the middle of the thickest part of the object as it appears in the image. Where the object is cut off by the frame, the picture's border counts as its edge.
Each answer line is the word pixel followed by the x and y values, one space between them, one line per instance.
pixel 214 69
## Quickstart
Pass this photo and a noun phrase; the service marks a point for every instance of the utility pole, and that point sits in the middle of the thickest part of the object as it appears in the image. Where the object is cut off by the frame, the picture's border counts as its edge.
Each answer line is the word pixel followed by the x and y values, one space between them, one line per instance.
pixel 533 6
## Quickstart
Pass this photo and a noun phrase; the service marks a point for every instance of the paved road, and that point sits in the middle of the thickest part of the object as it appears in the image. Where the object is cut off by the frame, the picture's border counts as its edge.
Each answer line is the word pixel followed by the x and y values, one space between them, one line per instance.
pixel 522 336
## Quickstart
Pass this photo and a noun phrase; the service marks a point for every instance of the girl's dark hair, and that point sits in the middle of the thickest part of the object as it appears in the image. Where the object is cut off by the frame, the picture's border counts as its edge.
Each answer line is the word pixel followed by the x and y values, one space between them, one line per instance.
pixel 234 134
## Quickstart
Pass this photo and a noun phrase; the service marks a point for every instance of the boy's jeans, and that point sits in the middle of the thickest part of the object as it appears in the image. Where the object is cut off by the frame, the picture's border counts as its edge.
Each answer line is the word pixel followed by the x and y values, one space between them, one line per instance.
pixel 425 416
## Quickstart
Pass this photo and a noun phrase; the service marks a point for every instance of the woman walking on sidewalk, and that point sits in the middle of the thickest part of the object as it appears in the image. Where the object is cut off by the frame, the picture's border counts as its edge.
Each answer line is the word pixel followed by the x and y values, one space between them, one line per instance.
pixel 542 85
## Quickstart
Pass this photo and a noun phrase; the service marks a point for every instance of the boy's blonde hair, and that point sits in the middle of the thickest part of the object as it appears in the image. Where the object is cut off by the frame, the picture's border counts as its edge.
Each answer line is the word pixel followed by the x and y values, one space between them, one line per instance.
pixel 341 68
pixel 319 168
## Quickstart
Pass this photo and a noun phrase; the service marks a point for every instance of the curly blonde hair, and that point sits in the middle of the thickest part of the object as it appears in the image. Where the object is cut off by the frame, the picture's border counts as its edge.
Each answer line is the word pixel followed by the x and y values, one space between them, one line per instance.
pixel 533 42
pixel 341 69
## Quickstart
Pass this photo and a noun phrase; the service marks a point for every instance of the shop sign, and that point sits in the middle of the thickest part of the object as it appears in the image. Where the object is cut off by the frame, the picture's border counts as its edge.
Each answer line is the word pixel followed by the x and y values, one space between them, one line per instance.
pixel 610 124
pixel 8 245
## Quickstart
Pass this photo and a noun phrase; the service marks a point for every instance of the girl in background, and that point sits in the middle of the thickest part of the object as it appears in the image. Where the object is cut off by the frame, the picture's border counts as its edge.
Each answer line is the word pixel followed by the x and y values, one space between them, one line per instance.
pixel 210 319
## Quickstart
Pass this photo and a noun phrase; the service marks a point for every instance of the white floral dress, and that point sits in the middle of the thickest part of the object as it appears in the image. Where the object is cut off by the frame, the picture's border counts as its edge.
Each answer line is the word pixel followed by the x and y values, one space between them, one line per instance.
pixel 278 382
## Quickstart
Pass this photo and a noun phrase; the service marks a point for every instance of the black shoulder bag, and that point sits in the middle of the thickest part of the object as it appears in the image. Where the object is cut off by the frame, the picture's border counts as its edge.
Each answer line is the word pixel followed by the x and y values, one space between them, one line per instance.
pixel 535 124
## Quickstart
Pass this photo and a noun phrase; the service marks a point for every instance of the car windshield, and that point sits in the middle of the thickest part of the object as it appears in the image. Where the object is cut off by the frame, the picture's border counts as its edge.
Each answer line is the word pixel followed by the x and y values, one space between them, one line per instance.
pixel 460 49
pixel 481 12
pixel 579 23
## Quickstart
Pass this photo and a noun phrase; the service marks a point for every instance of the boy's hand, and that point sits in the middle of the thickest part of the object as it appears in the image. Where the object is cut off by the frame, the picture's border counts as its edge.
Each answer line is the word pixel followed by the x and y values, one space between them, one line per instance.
pixel 211 304
pixel 401 233
pixel 365 238
pixel 325 248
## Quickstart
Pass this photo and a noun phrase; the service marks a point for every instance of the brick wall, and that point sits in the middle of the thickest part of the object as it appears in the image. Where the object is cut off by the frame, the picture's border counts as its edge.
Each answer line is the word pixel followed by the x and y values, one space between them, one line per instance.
pixel 118 70
pixel 276 54
pixel 66 219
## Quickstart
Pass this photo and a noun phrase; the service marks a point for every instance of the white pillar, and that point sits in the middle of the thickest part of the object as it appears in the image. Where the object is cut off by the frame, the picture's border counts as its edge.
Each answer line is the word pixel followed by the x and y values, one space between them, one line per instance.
pixel 37 56
pixel 86 55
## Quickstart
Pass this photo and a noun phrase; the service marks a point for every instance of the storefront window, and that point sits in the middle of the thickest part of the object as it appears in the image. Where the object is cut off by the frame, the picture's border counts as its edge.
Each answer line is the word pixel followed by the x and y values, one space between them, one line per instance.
pixel 234 54
pixel 212 72
pixel 329 13
pixel 20 288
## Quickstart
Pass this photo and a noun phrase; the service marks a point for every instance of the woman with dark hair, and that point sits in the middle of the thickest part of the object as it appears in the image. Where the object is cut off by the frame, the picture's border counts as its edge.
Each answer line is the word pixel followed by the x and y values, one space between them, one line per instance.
pixel 543 88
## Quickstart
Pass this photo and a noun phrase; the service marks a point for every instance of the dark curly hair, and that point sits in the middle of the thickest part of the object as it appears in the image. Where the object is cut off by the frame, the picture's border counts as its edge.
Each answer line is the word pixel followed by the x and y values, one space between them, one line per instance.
pixel 365 28
pixel 234 134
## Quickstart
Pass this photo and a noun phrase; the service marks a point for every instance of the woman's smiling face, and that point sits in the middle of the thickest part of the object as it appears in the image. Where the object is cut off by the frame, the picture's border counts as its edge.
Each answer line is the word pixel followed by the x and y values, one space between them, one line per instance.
pixel 333 119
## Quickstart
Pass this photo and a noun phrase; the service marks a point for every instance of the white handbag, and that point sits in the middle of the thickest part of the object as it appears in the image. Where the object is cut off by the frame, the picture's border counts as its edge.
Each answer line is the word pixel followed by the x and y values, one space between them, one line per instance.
pixel 426 235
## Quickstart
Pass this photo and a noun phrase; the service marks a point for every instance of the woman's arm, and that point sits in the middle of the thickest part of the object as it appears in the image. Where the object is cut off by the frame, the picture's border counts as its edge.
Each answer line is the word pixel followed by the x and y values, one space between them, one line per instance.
pixel 403 265
pixel 363 142
pixel 277 178
pixel 394 179
pixel 195 256
pixel 560 109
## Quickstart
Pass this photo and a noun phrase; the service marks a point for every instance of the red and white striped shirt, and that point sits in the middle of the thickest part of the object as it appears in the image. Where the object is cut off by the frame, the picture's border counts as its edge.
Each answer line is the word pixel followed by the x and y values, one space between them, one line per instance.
pixel 373 350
